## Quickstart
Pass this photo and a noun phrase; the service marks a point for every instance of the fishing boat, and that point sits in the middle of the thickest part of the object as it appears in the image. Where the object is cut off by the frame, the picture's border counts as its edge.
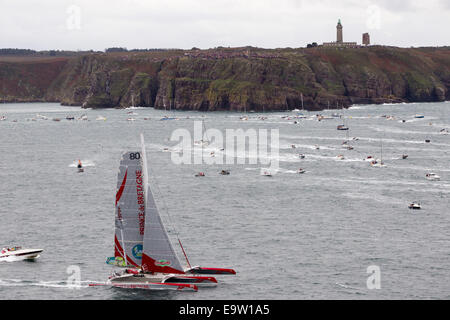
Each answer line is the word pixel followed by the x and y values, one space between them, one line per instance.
pixel 432 176
pixel 141 242
pixel 18 254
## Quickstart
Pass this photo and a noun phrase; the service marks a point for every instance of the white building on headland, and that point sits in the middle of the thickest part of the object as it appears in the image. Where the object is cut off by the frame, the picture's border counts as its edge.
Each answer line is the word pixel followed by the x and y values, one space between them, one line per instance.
pixel 340 39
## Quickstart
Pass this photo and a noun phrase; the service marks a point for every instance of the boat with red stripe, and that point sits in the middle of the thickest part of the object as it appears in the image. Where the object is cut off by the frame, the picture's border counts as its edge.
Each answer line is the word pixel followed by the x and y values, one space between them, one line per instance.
pixel 141 242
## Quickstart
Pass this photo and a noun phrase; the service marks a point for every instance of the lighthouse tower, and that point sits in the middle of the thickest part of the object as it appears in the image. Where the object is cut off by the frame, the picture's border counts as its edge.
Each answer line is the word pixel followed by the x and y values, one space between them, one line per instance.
pixel 339 32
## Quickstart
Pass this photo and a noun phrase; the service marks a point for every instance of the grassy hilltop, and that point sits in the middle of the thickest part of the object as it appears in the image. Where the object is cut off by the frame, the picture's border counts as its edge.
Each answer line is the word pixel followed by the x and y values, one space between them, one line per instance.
pixel 234 79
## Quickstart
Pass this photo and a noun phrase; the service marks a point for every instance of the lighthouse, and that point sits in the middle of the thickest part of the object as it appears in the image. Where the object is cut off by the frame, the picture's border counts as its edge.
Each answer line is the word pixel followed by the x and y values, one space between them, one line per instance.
pixel 340 38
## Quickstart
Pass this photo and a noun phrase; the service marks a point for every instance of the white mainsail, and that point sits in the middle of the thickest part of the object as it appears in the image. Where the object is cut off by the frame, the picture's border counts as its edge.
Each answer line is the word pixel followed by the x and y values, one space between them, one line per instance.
pixel 158 254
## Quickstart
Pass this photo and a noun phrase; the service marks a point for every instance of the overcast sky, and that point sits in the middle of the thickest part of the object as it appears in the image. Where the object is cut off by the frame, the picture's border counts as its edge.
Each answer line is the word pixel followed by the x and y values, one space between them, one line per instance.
pixel 99 24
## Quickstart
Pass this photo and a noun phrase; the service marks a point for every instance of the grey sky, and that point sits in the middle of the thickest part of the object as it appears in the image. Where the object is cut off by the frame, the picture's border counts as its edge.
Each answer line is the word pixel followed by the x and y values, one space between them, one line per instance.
pixel 98 24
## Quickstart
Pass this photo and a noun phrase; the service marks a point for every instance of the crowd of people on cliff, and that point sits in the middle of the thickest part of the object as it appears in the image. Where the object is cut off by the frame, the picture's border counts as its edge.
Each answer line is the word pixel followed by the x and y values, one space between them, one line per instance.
pixel 220 54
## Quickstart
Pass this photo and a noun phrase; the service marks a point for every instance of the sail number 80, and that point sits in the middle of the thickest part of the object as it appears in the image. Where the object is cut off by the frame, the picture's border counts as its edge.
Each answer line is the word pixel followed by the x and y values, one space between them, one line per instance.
pixel 135 156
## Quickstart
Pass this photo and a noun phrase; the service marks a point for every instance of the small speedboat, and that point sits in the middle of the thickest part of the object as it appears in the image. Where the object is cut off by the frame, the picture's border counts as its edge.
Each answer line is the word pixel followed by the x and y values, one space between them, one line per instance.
pixel 200 174
pixel 3 118
pixel 301 171
pixel 342 127
pixel 39 116
pixel 266 173
pixel 414 206
pixel 443 131
pixel 404 156
pixel 168 118
pixel 419 116
pixel 301 156
pixel 80 167
pixel 224 172
pixel 18 254
pixel 340 157
pixel 432 176
pixel 377 163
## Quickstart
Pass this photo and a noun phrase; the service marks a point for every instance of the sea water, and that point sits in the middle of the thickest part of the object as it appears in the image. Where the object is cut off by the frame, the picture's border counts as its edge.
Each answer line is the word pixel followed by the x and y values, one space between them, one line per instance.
pixel 290 236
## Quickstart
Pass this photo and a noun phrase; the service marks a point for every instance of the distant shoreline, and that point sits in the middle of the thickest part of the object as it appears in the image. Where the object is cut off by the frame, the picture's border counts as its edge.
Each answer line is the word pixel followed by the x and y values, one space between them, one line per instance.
pixel 231 79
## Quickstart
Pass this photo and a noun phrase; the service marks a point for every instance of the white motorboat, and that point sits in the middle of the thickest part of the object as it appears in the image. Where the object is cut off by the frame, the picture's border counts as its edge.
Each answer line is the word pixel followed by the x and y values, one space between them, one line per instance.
pixel 39 116
pixel 415 206
pixel 19 253
pixel 432 176
pixel 266 173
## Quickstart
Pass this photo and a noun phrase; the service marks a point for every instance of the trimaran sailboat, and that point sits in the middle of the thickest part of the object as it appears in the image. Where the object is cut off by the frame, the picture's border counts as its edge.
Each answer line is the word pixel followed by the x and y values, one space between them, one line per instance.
pixel 141 243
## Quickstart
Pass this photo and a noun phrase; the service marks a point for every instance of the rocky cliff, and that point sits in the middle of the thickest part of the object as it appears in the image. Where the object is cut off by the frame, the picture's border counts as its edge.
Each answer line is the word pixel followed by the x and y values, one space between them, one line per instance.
pixel 238 79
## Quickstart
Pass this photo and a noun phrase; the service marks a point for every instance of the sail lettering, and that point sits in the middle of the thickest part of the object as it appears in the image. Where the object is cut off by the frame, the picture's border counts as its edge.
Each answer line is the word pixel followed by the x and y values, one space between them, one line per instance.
pixel 119 213
pixel 140 200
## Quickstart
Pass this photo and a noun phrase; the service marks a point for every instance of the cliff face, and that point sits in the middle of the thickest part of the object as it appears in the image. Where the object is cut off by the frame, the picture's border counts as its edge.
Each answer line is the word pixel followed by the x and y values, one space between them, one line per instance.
pixel 233 79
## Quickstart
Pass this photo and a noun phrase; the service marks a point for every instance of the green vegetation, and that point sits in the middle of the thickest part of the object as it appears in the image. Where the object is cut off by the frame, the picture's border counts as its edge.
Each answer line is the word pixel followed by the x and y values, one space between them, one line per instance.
pixel 231 78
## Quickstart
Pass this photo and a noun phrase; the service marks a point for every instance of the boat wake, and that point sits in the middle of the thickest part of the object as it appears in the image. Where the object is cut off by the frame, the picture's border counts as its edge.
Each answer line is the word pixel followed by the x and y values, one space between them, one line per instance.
pixel 63 284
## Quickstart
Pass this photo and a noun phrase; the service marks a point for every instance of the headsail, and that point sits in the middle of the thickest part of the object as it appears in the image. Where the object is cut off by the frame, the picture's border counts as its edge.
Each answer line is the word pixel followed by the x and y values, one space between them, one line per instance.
pixel 130 209
pixel 158 254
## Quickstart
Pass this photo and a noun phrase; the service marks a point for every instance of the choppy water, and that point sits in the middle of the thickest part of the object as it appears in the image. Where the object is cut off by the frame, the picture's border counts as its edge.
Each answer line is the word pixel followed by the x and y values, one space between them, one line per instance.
pixel 292 236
